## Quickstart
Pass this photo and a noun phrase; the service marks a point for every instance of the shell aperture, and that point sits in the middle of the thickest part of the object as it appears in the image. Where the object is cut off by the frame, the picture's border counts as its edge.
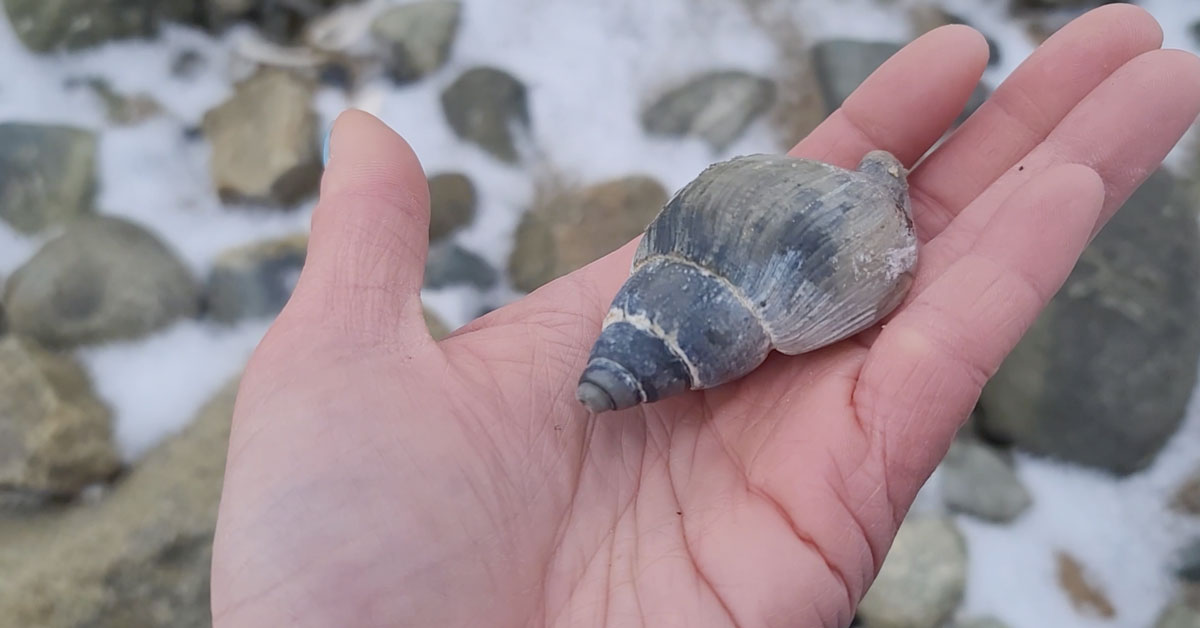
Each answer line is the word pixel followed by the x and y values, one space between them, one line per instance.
pixel 758 253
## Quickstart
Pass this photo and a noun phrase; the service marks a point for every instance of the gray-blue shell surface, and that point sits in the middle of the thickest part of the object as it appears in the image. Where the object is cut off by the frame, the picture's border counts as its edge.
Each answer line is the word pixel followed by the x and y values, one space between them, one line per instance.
pixel 758 253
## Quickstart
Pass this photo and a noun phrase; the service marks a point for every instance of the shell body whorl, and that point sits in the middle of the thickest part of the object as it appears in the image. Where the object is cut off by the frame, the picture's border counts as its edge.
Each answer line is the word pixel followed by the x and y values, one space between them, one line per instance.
pixel 758 253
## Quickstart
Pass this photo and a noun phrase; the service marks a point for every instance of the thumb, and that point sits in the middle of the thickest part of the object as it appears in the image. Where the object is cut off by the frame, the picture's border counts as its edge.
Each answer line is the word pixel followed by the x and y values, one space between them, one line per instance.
pixel 370 236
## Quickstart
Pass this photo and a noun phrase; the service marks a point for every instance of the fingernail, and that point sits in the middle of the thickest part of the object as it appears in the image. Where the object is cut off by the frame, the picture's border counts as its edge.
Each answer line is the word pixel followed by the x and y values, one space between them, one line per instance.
pixel 325 149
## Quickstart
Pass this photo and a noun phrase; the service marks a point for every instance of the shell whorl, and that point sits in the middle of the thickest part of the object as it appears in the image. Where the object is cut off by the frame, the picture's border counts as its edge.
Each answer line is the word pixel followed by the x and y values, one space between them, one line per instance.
pixel 757 253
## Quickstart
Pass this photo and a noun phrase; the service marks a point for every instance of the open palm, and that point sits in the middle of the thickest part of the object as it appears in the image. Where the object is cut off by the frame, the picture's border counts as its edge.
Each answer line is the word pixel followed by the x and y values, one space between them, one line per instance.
pixel 377 478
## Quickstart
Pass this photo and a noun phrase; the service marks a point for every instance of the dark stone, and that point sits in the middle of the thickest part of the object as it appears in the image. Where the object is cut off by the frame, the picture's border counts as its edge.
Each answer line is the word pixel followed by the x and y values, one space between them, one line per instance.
pixel 485 106
pixel 103 279
pixel 47 175
pixel 1104 375
pixel 187 64
pixel 452 202
pixel 449 265
pixel 1188 563
pixel 255 280
pixel 335 74
pixel 717 106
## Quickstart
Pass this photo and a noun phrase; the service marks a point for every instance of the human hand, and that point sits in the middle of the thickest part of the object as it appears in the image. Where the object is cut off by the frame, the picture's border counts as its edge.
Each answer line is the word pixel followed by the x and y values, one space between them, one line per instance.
pixel 379 478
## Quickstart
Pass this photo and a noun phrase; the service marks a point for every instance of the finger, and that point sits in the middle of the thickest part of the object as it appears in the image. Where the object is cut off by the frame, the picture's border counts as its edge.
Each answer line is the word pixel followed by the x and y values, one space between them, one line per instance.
pixel 1122 130
pixel 1030 103
pixel 926 370
pixel 366 253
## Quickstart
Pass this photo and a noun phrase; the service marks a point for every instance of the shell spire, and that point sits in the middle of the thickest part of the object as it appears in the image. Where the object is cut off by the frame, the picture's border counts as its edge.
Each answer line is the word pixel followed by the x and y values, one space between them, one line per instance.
pixel 758 253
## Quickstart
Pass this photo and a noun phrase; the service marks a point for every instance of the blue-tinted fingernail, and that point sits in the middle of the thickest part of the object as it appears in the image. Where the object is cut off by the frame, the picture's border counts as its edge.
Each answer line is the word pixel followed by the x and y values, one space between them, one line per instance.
pixel 325 149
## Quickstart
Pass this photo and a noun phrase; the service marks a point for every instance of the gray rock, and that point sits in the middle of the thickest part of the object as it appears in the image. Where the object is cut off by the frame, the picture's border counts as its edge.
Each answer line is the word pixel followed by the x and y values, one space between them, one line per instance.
pixel 452 204
pixel 567 229
pixel 123 109
pixel 488 106
pixel 55 435
pixel 416 37
pixel 47 25
pixel 841 65
pixel 717 106
pixel 449 264
pixel 1183 611
pixel 1068 390
pixel 103 279
pixel 47 175
pixel 140 556
pixel 1194 30
pixel 1187 565
pixel 265 145
pixel 255 280
pixel 922 579
pixel 978 481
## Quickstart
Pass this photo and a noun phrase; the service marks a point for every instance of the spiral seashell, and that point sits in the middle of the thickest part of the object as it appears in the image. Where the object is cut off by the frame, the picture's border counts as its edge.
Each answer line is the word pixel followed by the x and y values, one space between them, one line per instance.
pixel 758 253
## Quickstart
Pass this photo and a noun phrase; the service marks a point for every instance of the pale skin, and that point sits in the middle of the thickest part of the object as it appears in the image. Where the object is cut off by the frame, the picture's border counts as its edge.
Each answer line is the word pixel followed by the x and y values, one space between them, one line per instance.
pixel 379 478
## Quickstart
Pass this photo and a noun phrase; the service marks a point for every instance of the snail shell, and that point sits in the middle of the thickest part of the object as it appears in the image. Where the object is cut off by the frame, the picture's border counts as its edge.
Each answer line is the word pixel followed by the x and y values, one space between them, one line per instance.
pixel 758 253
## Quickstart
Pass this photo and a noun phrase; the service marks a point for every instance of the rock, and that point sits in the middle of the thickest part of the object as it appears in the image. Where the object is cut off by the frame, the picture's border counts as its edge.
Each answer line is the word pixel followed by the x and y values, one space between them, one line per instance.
pixel 48 25
pixel 187 64
pixel 926 17
pixel 103 279
pixel 265 147
pixel 1067 390
pixel 437 328
pixel 47 174
pixel 841 65
pixel 55 435
pixel 976 480
pixel 1183 611
pixel 417 37
pixel 1187 498
pixel 255 280
pixel 140 556
pixel 568 229
pixel 922 578
pixel 799 106
pixel 716 106
pixel 449 264
pixel 123 109
pixel 485 106
pixel 1194 29
pixel 1087 599
pixel 452 201
pixel 1188 564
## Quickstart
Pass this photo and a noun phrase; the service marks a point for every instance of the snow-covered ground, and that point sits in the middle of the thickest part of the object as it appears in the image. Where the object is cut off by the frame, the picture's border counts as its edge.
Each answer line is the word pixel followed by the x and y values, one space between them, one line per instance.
pixel 589 66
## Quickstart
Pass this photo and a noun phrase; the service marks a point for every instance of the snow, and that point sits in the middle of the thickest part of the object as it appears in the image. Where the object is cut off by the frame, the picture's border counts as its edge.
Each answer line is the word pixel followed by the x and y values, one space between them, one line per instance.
pixel 589 66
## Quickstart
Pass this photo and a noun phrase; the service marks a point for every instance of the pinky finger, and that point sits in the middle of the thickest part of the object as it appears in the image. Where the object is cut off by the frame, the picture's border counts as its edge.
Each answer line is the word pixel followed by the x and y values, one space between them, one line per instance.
pixel 929 364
